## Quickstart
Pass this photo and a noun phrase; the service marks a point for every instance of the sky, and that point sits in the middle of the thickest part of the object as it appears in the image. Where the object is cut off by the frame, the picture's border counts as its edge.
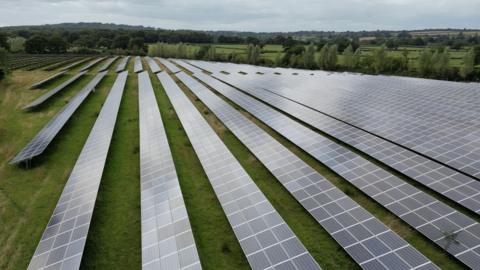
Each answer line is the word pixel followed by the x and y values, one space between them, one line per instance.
pixel 250 15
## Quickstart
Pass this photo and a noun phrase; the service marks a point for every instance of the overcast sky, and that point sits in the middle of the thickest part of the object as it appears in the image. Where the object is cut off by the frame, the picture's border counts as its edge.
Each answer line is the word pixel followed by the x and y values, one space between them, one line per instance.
pixel 250 15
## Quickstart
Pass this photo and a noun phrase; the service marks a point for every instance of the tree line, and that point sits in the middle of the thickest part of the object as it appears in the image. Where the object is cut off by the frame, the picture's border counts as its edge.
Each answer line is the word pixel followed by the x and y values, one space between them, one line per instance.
pixel 432 62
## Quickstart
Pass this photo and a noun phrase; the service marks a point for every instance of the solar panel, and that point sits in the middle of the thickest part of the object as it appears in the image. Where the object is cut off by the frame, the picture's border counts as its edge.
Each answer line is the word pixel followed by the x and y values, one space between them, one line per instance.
pixel 153 65
pixel 123 64
pixel 75 64
pixel 167 239
pixel 357 229
pixel 434 219
pixel 92 63
pixel 169 65
pixel 48 133
pixel 265 238
pixel 55 90
pixel 138 67
pixel 108 63
pixel 64 63
pixel 444 180
pixel 49 79
pixel 63 241
pixel 187 66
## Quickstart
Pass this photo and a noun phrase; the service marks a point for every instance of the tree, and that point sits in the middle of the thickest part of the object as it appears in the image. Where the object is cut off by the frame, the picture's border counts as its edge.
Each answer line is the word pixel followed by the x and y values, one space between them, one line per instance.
pixel 136 43
pixel 16 44
pixel 4 41
pixel 332 57
pixel 104 43
pixel 250 49
pixel 56 44
pixel 468 64
pixel 476 49
pixel 380 59
pixel 252 40
pixel 181 51
pixel 391 43
pixel 121 42
pixel 212 54
pixel 441 63
pixel 348 57
pixel 278 59
pixel 309 56
pixel 418 41
pixel 323 57
pixel 202 52
pixel 253 54
pixel 357 57
pixel 424 64
pixel 3 63
pixel 36 44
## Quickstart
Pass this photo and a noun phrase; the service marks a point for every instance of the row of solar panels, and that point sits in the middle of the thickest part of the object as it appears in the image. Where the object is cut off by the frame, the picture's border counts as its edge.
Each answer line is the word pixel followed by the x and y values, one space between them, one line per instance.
pixel 437 119
pixel 48 133
pixel 429 216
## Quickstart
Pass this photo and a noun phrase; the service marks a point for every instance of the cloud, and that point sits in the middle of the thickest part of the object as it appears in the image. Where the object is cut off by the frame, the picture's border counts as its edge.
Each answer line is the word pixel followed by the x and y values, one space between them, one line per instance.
pixel 250 15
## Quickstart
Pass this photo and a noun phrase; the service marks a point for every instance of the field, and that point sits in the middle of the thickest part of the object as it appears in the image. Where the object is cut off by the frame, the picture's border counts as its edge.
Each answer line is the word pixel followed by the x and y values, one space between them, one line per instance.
pixel 28 196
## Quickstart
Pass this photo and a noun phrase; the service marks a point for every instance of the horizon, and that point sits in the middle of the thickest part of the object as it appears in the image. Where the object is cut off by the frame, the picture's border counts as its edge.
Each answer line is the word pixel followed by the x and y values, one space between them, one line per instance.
pixel 233 31
pixel 250 16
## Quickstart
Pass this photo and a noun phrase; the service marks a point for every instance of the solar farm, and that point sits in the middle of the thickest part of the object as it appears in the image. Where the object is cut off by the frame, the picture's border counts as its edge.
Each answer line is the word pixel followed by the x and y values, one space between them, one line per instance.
pixel 130 162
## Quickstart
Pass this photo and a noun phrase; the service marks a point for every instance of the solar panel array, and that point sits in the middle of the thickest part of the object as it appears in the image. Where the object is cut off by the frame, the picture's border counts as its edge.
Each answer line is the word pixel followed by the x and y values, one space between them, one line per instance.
pixel 169 65
pixel 47 80
pixel 92 63
pixel 63 241
pixel 123 64
pixel 138 66
pixel 167 239
pixel 75 64
pixel 265 238
pixel 435 118
pixel 186 65
pixel 108 63
pixel 444 180
pixel 54 91
pixel 434 219
pixel 48 133
pixel 358 231
pixel 153 65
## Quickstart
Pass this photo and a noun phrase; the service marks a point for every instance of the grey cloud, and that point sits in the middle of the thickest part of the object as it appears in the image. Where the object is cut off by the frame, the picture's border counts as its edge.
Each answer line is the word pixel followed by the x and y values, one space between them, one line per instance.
pixel 250 15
